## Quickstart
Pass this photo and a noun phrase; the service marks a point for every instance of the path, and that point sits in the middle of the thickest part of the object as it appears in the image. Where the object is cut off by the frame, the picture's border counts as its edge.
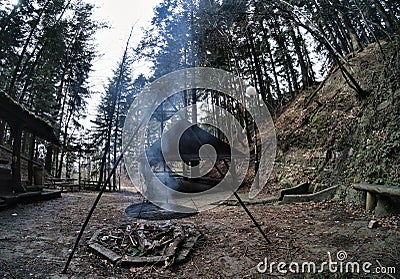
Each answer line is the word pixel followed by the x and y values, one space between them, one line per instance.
pixel 35 239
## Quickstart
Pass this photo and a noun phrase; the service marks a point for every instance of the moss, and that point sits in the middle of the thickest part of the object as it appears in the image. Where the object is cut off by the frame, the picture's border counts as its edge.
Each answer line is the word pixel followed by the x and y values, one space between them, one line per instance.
pixel 343 123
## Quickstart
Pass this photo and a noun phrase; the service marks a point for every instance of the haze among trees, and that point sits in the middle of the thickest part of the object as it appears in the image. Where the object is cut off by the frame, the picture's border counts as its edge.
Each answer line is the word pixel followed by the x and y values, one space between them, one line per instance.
pixel 47 49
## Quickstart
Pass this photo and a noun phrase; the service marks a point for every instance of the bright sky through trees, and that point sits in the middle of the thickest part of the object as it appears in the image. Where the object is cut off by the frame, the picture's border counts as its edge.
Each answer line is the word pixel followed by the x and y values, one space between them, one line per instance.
pixel 120 16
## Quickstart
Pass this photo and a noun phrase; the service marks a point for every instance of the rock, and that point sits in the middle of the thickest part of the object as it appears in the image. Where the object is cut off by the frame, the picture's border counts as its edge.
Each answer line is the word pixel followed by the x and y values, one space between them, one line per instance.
pixel 373 224
pixel 383 105
pixel 383 207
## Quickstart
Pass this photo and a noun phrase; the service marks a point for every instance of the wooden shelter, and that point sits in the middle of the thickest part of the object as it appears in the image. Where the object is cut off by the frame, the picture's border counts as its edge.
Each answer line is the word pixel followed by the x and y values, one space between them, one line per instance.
pixel 20 119
pixel 190 142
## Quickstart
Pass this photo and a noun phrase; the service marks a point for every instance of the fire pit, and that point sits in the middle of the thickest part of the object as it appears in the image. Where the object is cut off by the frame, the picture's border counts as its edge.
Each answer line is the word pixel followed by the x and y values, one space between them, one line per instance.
pixel 140 243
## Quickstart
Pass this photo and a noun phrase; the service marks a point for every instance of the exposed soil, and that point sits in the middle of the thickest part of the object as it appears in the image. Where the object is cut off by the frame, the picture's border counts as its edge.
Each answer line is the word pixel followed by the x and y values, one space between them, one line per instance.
pixel 329 136
pixel 35 239
pixel 336 139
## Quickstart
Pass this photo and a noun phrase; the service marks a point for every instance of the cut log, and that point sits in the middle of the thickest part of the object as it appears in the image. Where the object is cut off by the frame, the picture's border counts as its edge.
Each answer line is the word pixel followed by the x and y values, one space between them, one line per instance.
pixel 129 261
pixel 105 252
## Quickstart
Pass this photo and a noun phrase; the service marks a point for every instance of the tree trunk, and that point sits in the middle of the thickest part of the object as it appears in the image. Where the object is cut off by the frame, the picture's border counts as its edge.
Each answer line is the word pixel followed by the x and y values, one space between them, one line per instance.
pixel 257 66
pixel 351 81
pixel 56 161
pixel 305 79
pixel 14 76
pixel 49 158
pixel 102 165
pixel 274 72
pixel 354 39
pixel 115 146
pixel 389 23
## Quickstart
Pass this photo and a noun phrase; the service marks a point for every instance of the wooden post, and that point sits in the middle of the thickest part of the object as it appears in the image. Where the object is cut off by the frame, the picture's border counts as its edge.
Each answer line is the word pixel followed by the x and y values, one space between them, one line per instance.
pixel 16 131
pixel 31 157
pixel 49 158
pixel 370 202
pixel 194 172
pixel 79 167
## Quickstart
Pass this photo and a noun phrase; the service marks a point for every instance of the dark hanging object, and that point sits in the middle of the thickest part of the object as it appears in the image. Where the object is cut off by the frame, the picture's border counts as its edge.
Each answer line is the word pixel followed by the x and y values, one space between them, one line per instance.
pixel 190 142
pixel 150 211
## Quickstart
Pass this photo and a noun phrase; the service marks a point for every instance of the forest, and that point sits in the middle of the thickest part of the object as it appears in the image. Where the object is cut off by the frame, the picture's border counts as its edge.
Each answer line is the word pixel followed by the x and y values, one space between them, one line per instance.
pixel 47 49
pixel 326 179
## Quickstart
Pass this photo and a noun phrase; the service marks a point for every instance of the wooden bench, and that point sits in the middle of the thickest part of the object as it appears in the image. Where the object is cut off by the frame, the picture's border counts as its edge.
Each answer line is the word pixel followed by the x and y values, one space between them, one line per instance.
pixel 91 184
pixel 61 183
pixel 373 190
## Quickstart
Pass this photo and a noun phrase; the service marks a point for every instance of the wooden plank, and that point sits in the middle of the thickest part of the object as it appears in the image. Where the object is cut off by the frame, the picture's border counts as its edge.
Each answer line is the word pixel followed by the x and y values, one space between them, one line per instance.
pixel 107 253
pixel 70 186
pixel 378 189
pixel 128 260
pixel 65 183
pixel 49 186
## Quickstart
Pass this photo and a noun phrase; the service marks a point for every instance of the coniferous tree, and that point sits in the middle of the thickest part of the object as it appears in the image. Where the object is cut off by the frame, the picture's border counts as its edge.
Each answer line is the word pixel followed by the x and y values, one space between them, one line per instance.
pixel 45 57
pixel 112 111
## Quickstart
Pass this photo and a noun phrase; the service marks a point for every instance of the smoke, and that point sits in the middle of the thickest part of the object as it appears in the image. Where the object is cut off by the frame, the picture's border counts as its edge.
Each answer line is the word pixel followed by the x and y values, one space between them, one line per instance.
pixel 153 162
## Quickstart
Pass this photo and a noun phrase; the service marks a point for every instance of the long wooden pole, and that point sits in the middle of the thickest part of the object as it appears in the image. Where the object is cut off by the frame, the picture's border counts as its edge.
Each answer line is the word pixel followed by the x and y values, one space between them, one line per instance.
pixel 89 216
pixel 252 217
pixel 103 188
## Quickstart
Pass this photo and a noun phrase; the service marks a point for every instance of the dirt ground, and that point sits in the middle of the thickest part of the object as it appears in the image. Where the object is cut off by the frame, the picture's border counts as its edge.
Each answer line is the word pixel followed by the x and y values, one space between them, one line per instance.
pixel 35 240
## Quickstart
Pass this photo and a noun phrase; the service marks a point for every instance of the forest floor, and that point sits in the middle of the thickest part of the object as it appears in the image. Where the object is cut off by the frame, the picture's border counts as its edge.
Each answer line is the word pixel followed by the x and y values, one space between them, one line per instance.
pixel 35 240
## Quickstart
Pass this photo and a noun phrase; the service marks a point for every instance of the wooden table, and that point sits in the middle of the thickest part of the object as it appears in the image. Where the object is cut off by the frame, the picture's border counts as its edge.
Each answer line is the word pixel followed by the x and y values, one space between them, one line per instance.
pixel 91 184
pixel 64 183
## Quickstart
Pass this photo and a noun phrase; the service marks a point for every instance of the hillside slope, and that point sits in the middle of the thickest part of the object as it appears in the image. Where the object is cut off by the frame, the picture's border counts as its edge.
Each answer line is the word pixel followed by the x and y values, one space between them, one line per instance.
pixel 329 136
